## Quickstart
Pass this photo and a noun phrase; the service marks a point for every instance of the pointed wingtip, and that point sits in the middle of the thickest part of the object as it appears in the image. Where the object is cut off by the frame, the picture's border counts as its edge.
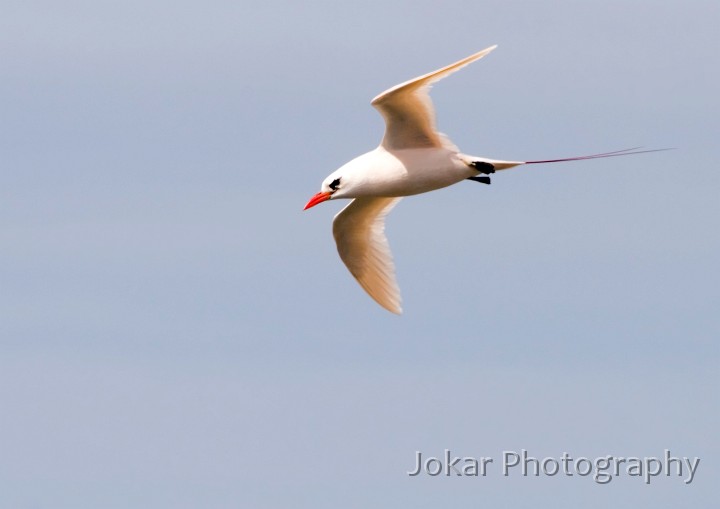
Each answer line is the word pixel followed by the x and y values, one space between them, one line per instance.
pixel 483 52
pixel 394 305
pixel 489 49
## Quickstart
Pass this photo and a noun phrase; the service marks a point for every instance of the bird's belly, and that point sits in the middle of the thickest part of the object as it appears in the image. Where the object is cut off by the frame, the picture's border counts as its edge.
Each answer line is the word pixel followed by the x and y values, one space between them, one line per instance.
pixel 419 171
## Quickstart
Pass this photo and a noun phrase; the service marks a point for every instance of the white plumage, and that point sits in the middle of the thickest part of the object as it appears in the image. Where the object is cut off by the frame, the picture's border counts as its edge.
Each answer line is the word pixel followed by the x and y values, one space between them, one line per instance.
pixel 412 158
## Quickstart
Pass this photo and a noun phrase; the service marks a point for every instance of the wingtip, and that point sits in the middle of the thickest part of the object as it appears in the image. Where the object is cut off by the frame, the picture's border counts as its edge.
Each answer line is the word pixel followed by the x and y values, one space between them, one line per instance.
pixel 389 303
pixel 481 53
pixel 394 306
pixel 488 49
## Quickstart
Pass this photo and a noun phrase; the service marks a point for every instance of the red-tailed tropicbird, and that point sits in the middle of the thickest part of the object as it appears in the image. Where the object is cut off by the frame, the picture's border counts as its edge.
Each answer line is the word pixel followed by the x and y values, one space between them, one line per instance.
pixel 412 158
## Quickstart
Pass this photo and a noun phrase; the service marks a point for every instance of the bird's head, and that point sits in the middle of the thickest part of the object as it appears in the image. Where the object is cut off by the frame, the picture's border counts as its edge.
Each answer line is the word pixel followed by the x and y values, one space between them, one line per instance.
pixel 333 186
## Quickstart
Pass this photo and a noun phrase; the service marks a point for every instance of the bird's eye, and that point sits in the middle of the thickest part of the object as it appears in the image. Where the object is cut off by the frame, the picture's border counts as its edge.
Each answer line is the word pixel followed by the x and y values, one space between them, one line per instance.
pixel 335 184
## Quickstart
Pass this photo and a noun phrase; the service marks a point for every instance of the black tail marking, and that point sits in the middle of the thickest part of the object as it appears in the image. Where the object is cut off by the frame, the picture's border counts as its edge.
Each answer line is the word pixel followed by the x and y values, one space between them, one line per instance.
pixel 483 167
pixel 482 180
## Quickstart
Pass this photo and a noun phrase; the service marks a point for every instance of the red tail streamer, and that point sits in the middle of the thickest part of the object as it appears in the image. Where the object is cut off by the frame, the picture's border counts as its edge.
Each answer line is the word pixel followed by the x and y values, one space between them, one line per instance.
pixel 616 153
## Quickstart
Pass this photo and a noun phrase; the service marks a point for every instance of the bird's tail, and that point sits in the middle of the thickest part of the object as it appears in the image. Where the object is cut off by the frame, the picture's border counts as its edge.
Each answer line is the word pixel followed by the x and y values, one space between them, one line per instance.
pixel 624 152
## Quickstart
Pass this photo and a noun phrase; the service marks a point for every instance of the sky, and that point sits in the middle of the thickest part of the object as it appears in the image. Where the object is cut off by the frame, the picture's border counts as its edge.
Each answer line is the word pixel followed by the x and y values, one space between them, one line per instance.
pixel 176 332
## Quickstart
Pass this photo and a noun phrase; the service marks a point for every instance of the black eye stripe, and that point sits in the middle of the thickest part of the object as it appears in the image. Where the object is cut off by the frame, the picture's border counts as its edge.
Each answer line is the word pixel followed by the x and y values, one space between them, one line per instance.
pixel 335 184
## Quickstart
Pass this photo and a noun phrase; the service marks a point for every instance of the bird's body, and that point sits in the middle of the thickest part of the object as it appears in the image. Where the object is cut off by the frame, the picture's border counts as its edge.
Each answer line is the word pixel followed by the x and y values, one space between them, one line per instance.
pixel 413 158
pixel 404 172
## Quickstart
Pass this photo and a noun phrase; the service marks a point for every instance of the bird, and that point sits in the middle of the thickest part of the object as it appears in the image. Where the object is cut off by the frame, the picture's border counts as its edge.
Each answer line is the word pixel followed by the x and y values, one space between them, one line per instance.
pixel 412 158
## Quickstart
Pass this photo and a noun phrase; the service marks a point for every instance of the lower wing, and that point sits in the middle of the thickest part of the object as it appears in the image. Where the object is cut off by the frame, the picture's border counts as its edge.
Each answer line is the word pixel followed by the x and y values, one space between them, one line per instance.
pixel 359 231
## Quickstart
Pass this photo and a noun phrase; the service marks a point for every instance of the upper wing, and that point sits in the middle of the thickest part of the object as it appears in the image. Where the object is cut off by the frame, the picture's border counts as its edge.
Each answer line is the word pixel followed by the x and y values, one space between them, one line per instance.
pixel 408 110
pixel 359 231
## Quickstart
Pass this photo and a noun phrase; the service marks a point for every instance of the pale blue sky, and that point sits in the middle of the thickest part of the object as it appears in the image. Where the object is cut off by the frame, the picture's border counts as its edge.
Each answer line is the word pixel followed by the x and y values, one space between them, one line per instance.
pixel 175 332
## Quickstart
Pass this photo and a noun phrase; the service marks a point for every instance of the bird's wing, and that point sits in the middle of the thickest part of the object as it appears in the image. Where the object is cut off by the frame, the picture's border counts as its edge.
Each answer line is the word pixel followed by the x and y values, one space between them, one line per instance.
pixel 359 231
pixel 408 110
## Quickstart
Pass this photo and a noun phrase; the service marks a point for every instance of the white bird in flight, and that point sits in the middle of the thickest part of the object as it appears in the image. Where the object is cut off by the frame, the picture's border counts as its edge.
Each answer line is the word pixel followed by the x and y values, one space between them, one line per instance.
pixel 412 158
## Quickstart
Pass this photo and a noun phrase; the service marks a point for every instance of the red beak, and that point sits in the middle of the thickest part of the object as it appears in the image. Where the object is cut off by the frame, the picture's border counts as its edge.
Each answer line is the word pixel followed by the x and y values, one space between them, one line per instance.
pixel 318 198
